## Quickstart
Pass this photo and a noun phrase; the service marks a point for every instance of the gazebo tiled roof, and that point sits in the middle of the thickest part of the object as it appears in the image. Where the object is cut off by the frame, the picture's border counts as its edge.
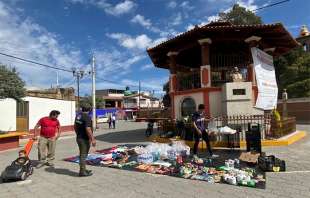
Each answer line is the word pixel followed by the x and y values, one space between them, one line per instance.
pixel 273 35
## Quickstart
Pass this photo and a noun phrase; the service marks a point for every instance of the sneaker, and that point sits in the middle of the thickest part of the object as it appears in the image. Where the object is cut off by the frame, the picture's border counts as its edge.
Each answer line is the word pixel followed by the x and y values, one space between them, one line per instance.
pixel 50 164
pixel 40 165
pixel 88 171
pixel 85 174
pixel 214 156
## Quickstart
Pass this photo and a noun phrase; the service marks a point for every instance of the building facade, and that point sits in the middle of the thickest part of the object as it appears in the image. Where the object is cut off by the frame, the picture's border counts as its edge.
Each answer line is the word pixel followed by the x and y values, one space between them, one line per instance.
pixel 142 101
pixel 23 115
pixel 113 97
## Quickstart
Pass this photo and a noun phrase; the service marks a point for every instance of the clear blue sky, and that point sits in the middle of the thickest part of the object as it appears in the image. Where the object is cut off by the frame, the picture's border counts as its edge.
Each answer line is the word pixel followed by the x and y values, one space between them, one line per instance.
pixel 66 33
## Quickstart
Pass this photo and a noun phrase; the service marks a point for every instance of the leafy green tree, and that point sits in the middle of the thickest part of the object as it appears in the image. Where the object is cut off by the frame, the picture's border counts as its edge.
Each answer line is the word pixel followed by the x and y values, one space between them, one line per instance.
pixel 293 73
pixel 87 101
pixel 240 16
pixel 166 98
pixel 11 85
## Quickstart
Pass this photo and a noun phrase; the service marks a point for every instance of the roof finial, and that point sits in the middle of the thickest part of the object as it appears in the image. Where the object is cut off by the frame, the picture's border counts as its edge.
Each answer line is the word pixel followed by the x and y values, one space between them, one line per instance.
pixel 304 31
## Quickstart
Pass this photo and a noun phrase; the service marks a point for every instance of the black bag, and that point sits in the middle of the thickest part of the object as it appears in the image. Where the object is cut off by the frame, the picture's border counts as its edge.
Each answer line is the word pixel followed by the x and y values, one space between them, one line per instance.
pixel 253 138
pixel 271 163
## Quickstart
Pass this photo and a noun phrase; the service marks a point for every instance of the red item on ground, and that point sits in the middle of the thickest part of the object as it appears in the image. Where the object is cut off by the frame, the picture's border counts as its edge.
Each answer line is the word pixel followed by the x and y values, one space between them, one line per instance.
pixel 48 127
pixel 28 146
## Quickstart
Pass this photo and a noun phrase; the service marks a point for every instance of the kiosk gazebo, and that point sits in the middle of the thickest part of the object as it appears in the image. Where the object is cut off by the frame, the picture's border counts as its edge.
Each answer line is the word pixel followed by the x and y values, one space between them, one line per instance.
pixel 200 59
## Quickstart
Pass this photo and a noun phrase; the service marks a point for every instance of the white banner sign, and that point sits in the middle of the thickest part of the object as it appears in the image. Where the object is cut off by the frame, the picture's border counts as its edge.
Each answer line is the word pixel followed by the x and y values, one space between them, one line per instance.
pixel 266 80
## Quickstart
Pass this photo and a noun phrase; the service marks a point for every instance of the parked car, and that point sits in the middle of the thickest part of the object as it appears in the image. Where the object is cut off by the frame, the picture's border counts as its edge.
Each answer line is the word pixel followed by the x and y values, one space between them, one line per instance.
pixel 102 119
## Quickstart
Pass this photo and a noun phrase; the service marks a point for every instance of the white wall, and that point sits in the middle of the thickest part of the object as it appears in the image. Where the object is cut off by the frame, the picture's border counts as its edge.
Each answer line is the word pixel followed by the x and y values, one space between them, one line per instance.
pixel 40 107
pixel 128 103
pixel 116 95
pixel 198 98
pixel 7 114
pixel 215 100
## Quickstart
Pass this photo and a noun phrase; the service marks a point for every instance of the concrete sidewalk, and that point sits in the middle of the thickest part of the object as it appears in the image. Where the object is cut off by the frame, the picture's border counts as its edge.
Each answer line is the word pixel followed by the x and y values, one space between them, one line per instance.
pixel 106 182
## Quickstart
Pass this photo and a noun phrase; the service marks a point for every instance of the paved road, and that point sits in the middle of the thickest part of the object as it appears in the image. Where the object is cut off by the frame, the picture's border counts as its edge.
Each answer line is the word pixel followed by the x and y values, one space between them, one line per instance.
pixel 107 182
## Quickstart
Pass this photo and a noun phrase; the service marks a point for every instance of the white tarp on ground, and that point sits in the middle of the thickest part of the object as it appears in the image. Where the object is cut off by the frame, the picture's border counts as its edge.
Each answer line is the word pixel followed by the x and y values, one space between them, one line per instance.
pixel 266 80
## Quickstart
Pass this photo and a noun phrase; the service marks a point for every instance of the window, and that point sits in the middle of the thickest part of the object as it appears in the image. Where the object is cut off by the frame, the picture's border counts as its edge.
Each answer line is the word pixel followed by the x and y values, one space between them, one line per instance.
pixel 188 107
pixel 238 91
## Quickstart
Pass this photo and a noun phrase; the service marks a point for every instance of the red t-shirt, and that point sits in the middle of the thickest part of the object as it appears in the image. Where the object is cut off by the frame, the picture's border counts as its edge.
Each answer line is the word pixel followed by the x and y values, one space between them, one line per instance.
pixel 48 127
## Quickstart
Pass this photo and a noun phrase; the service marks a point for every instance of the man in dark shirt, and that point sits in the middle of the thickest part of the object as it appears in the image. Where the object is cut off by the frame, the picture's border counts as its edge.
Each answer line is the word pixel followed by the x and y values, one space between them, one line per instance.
pixel 199 122
pixel 84 138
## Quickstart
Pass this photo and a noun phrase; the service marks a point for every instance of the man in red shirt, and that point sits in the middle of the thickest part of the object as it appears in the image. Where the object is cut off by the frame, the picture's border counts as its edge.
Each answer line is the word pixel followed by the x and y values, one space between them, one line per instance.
pixel 49 133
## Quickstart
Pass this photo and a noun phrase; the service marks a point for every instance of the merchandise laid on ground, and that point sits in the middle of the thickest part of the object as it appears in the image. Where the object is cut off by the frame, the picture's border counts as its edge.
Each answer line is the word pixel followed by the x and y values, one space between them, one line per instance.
pixel 174 160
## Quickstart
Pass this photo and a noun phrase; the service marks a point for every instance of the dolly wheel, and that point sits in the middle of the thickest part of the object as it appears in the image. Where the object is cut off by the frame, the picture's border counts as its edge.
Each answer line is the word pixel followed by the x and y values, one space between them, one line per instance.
pixel 31 171
pixel 24 176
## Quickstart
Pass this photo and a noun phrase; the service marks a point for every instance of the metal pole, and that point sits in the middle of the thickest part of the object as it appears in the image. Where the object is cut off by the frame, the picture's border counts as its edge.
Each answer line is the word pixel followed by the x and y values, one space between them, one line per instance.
pixel 284 104
pixel 94 93
pixel 78 91
pixel 139 93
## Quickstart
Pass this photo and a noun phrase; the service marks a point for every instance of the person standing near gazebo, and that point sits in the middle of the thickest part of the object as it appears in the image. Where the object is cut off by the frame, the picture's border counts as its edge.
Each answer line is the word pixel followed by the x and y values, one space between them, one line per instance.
pixel 199 122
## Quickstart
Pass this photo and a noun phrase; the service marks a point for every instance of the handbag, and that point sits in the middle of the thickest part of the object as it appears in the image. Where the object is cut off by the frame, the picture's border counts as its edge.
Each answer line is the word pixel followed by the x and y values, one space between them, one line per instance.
pixel 271 163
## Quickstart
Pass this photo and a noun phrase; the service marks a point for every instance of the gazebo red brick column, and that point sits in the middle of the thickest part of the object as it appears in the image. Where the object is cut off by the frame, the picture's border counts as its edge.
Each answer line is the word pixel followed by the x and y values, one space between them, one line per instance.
pixel 205 71
pixel 172 79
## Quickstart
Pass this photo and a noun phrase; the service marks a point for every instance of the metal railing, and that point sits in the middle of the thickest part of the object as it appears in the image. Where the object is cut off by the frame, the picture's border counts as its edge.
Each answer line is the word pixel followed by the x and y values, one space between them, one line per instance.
pixel 188 81
pixel 240 123
pixel 282 127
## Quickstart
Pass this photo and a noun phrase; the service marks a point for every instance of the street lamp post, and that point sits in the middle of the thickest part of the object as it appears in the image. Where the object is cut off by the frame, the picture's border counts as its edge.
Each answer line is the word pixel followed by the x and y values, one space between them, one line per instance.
pixel 284 104
pixel 79 75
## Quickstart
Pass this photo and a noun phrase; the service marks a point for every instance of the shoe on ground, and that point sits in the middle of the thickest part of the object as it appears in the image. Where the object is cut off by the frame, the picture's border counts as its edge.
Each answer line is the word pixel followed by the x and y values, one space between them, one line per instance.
pixel 50 164
pixel 41 164
pixel 85 174
pixel 89 171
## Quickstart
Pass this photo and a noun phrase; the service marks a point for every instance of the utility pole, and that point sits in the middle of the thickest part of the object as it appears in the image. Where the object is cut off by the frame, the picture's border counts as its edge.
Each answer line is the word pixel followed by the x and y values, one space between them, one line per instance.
pixel 94 92
pixel 139 94
pixel 78 74
pixel 57 81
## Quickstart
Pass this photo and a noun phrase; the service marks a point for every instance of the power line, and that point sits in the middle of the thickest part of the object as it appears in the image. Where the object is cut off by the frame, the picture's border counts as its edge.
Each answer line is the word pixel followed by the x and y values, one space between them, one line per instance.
pixel 124 84
pixel 270 5
pixel 34 62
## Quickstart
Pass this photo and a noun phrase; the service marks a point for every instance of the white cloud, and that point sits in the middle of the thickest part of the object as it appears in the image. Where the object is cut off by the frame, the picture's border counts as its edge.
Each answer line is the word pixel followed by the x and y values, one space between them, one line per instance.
pixel 172 4
pixel 113 63
pixel 139 42
pixel 177 19
pixel 146 67
pixel 121 8
pixel 249 4
pixel 141 20
pixel 189 27
pixel 24 38
pixel 186 5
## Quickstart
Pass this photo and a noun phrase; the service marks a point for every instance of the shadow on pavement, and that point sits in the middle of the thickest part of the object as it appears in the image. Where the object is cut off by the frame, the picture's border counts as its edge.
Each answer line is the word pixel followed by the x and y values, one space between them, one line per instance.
pixel 61 171
pixel 123 136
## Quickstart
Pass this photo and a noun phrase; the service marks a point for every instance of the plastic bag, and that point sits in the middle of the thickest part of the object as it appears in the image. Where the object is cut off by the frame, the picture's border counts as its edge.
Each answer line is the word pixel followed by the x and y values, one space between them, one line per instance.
pixel 145 158
pixel 212 126
pixel 181 148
